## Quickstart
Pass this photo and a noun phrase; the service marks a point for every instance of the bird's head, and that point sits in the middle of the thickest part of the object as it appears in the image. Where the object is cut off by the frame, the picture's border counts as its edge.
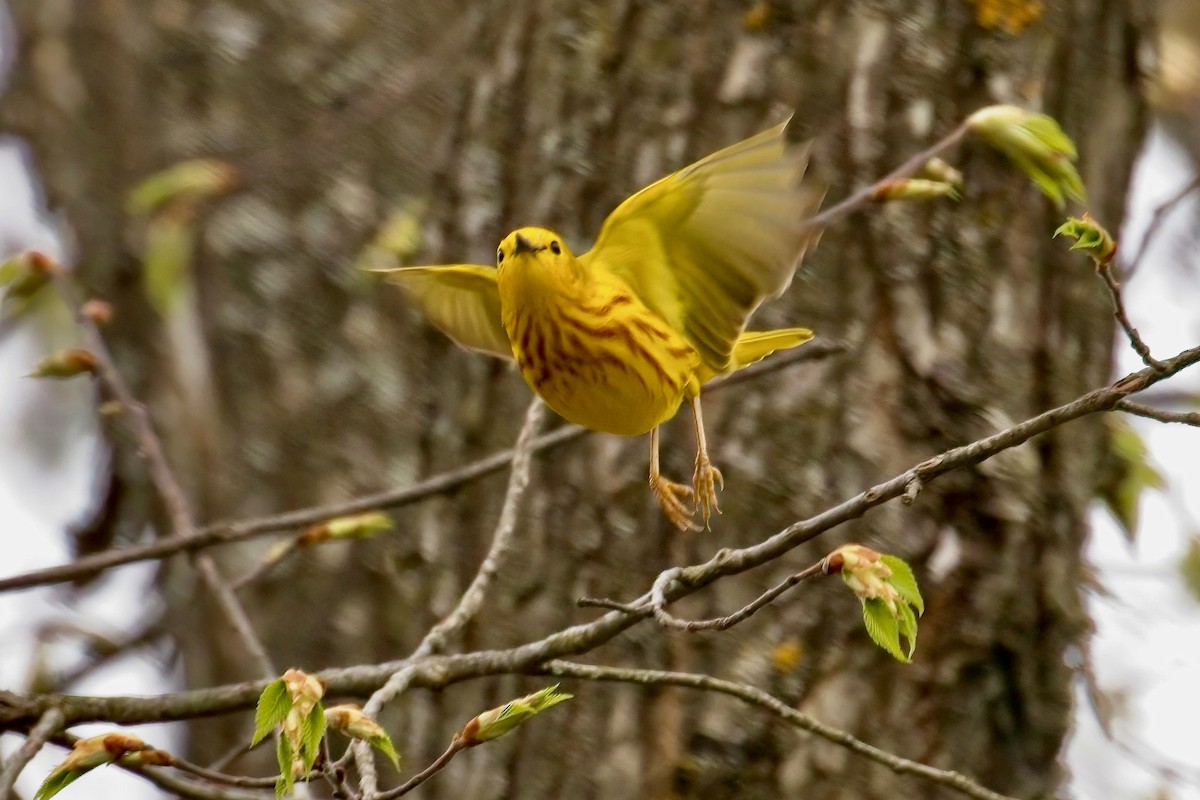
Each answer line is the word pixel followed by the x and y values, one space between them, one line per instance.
pixel 527 247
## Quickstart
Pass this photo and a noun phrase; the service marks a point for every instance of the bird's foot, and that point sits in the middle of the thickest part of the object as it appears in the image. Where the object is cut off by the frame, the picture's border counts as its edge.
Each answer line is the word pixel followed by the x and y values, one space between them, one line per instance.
pixel 705 484
pixel 677 501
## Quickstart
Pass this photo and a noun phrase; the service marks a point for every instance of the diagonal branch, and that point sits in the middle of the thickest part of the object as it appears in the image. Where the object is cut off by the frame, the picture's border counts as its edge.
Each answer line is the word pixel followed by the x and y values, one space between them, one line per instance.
pixel 1104 270
pixel 1162 415
pixel 230 532
pixel 456 746
pixel 757 697
pixel 502 540
pixel 18 712
pixel 161 475
pixel 867 195
pixel 1161 212
pixel 470 602
pixel 50 724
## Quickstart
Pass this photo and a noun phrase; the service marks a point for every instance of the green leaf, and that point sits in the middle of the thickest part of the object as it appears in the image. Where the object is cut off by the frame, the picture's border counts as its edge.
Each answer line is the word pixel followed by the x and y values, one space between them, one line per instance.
pixel 283 754
pixel 882 627
pixel 1090 236
pixel 907 625
pixel 311 731
pixel 56 781
pixel 1189 567
pixel 273 706
pixel 201 177
pixel 167 260
pixel 1129 474
pixel 384 745
pixel 904 581
pixel 498 721
pixel 1036 144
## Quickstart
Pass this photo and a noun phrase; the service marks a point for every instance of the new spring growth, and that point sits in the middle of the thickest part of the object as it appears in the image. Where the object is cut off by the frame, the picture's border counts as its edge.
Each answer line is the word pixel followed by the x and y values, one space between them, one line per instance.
pixel 350 720
pixel 87 754
pixel 500 720
pixel 65 364
pixel 98 311
pixel 913 189
pixel 1090 237
pixel 25 274
pixel 358 526
pixel 1036 145
pixel 293 702
pixel 936 169
pixel 195 179
pixel 888 591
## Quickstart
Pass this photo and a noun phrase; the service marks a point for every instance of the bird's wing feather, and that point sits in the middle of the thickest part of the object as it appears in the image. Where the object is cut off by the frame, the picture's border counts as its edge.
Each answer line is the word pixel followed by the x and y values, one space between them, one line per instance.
pixel 705 246
pixel 462 300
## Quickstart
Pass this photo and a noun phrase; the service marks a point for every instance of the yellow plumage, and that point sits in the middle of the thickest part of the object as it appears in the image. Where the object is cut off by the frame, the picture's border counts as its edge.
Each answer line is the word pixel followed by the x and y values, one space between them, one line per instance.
pixel 617 338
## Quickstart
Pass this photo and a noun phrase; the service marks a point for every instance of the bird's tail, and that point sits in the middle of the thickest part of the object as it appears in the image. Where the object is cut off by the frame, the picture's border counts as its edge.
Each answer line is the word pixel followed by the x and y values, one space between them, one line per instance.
pixel 753 346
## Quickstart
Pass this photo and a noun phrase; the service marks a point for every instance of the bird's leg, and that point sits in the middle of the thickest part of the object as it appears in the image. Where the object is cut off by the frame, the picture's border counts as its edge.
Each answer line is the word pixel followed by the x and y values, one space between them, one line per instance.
pixel 707 476
pixel 677 500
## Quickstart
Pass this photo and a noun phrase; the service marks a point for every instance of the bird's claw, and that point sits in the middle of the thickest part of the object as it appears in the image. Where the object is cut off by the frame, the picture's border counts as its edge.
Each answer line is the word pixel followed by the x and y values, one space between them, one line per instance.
pixel 677 501
pixel 705 482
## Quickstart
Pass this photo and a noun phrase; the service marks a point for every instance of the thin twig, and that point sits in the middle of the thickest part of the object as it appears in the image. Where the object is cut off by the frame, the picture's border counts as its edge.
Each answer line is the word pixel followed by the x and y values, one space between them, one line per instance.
pixel 146 634
pixel 1104 270
pixel 611 605
pixel 1184 417
pixel 334 772
pixel 726 622
pixel 472 599
pixel 192 790
pixel 231 532
pixel 755 696
pixel 866 195
pixel 1156 221
pixel 51 723
pixel 18 712
pixel 161 475
pixel 166 779
pixel 235 613
pixel 502 540
pixel 241 781
pixel 456 746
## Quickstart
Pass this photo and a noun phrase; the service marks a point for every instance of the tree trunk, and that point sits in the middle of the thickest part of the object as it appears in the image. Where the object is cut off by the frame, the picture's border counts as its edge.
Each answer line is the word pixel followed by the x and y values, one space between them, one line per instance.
pixel 285 379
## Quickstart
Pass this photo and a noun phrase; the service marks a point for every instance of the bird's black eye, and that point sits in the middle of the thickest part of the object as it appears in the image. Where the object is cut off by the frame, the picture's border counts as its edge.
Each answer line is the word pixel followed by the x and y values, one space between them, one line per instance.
pixel 499 255
pixel 554 248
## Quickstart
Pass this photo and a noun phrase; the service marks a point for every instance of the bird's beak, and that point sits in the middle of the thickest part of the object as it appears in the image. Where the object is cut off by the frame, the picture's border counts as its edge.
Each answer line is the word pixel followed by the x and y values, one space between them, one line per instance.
pixel 525 246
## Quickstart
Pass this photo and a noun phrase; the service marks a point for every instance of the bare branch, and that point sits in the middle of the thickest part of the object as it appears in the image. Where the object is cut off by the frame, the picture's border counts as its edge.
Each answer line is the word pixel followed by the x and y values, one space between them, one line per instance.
pixel 192 790
pixel 755 696
pixel 1162 415
pixel 242 781
pixel 1104 270
pixel 866 196
pixel 51 723
pixel 231 532
pixel 472 599
pixel 145 634
pixel 17 712
pixel 724 623
pixel 1156 221
pixel 161 475
pixel 455 747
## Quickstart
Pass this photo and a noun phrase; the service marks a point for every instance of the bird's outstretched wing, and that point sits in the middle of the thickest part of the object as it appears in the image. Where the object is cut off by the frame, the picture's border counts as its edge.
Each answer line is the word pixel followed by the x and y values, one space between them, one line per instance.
pixel 460 299
pixel 705 246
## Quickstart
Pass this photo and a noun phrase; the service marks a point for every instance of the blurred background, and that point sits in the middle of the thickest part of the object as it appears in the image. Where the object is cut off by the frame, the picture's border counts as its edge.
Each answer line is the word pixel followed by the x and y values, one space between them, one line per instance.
pixel 1058 645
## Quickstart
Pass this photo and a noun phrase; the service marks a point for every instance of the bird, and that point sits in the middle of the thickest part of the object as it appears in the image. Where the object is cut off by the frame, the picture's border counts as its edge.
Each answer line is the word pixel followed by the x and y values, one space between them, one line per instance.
pixel 618 338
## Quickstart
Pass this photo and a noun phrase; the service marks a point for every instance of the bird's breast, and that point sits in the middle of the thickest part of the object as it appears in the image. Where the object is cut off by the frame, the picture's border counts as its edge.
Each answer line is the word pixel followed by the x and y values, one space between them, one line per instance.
pixel 605 361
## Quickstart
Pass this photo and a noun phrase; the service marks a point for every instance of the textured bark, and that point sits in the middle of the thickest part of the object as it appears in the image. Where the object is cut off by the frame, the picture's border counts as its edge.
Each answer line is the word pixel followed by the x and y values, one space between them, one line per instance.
pixel 288 380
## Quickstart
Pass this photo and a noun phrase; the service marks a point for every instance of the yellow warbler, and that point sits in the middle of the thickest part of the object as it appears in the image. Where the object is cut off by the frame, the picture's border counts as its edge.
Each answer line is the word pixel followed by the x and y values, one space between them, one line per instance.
pixel 616 338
